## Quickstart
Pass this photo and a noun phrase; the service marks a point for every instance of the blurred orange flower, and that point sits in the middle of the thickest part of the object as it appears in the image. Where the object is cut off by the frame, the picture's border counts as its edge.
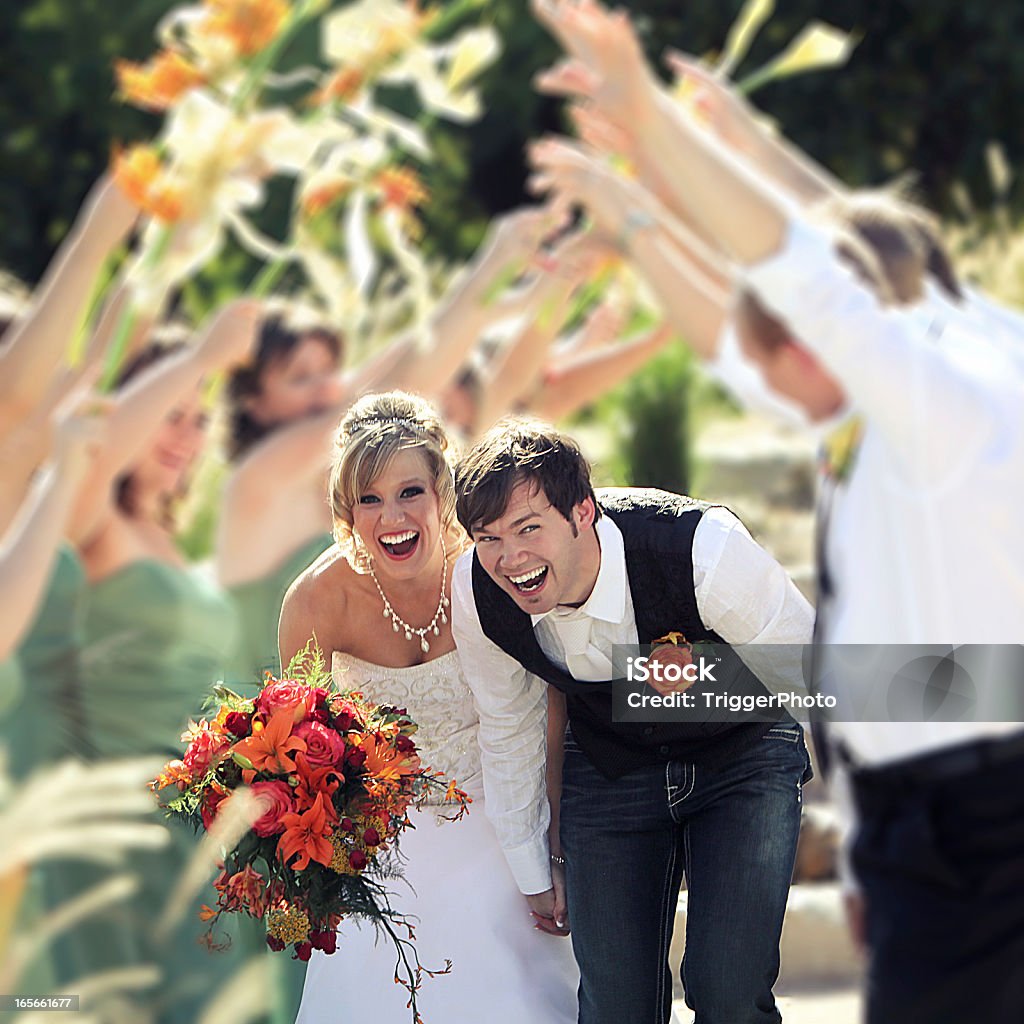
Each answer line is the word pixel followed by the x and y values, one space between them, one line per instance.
pixel 143 178
pixel 400 188
pixel 158 84
pixel 251 25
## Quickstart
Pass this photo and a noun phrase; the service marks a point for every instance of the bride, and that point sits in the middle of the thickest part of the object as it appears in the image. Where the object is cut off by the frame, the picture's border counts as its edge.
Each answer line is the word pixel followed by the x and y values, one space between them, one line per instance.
pixel 378 601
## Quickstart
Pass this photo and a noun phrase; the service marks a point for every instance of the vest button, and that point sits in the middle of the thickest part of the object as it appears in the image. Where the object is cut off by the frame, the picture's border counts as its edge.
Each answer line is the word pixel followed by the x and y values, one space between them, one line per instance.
pixel 663 749
pixel 649 730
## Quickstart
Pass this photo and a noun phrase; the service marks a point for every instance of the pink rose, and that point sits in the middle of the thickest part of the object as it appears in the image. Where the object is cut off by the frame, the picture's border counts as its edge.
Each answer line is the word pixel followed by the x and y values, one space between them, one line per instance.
pixel 324 747
pixel 279 801
pixel 205 749
pixel 286 693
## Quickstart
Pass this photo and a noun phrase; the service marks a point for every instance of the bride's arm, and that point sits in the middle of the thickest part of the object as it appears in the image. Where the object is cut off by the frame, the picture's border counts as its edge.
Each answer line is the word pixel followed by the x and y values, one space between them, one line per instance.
pixel 557 718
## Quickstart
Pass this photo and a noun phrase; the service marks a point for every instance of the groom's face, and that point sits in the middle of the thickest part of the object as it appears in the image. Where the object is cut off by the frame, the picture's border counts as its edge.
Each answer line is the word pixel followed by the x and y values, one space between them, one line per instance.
pixel 536 555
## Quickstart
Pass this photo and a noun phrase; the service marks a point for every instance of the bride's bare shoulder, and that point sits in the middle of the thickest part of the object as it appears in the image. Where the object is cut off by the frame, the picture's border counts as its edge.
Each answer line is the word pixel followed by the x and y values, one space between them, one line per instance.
pixel 316 603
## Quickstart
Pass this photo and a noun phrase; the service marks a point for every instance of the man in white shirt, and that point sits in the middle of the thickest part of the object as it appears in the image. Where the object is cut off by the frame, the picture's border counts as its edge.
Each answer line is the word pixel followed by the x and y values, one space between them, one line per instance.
pixel 922 543
pixel 560 576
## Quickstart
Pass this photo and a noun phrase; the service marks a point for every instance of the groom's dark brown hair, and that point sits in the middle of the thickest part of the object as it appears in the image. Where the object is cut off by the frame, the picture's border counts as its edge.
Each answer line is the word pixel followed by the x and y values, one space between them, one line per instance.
pixel 519 449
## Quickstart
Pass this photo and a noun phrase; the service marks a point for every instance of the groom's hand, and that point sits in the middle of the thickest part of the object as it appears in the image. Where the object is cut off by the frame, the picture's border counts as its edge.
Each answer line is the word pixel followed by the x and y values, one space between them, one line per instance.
pixel 548 909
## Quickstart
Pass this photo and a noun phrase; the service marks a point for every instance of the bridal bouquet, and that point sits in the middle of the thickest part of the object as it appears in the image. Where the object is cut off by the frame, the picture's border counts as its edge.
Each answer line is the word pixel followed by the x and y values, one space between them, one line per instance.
pixel 334 775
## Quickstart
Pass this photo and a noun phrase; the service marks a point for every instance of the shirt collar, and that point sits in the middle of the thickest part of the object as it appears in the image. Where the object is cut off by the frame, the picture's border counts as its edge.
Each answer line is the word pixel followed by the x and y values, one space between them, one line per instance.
pixel 607 600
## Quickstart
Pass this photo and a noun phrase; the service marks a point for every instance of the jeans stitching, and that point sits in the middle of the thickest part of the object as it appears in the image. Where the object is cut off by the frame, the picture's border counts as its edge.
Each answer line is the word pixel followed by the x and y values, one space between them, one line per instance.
pixel 689 773
pixel 792 737
pixel 667 918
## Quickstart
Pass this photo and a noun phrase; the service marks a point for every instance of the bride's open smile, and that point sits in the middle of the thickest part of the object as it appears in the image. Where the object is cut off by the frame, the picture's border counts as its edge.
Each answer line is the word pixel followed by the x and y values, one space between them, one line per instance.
pixel 397 518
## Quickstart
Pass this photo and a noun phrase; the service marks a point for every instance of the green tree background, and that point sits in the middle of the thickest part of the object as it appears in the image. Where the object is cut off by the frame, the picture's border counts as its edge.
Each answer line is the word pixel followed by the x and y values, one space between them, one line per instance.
pixel 930 84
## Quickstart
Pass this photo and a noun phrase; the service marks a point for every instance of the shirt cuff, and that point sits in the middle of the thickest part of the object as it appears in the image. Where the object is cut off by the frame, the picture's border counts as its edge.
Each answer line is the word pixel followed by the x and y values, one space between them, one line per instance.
pixel 531 866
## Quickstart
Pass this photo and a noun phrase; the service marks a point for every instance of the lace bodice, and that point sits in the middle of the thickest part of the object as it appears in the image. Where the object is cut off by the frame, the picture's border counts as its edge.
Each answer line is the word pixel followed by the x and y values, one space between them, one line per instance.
pixel 438 700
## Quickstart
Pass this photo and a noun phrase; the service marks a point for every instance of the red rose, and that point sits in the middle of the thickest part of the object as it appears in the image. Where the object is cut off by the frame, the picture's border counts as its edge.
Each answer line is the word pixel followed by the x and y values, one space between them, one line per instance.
pixel 324 747
pixel 206 748
pixel 286 693
pixel 357 859
pixel 355 757
pixel 404 745
pixel 238 724
pixel 275 943
pixel 279 801
pixel 346 714
pixel 303 951
pixel 371 837
pixel 346 824
pixel 212 799
pixel 327 941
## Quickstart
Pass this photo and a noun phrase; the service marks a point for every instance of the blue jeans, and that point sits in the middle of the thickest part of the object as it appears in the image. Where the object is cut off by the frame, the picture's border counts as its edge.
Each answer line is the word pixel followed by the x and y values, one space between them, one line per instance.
pixel 627 843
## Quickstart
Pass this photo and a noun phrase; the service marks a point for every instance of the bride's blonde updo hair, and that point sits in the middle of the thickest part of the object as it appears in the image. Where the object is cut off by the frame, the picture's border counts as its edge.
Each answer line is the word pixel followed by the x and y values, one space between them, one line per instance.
pixel 373 431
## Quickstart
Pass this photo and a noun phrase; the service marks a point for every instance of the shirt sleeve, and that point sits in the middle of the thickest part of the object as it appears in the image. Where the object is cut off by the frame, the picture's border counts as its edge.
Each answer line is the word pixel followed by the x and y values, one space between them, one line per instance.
pixel 747 598
pixel 934 410
pixel 512 706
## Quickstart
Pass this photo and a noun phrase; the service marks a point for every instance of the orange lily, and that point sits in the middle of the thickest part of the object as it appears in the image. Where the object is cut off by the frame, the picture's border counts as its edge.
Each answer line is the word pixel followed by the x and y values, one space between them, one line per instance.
pixel 384 761
pixel 251 25
pixel 314 781
pixel 307 836
pixel 158 84
pixel 270 746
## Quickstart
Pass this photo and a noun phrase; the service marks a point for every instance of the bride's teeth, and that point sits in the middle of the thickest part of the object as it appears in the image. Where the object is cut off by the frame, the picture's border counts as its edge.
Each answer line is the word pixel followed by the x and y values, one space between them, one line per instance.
pixel 399 538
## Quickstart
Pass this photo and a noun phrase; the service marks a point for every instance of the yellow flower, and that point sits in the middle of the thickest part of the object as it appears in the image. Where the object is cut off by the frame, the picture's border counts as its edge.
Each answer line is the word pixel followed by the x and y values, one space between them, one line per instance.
pixel 289 924
pixel 158 84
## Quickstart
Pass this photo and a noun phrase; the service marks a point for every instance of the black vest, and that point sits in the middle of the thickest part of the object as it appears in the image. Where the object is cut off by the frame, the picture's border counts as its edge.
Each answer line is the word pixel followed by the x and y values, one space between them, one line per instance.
pixel 657 531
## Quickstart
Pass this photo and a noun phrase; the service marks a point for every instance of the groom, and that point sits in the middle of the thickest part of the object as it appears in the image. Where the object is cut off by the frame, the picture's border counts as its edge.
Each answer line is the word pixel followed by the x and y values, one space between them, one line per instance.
pixel 557 577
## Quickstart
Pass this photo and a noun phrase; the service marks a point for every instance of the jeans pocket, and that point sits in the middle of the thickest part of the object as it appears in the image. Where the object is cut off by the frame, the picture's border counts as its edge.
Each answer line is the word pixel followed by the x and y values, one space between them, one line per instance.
pixel 789 733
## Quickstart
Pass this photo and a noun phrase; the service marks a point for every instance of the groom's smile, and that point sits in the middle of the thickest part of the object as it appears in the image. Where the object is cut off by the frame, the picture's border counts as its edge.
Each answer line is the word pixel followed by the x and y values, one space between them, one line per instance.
pixel 536 555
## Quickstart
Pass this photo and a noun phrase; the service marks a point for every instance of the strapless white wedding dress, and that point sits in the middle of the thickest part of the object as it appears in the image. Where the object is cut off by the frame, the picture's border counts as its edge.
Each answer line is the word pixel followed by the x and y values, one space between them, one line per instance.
pixel 457 884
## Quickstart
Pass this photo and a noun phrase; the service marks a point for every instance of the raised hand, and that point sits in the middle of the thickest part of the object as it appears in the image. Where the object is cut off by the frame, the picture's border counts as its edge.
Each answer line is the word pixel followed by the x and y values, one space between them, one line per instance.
pixel 608 63
pixel 718 107
pixel 231 334
pixel 574 173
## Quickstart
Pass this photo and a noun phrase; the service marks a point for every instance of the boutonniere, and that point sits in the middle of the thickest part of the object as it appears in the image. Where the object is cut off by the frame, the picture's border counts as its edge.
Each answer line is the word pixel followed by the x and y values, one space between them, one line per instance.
pixel 677 639
pixel 839 449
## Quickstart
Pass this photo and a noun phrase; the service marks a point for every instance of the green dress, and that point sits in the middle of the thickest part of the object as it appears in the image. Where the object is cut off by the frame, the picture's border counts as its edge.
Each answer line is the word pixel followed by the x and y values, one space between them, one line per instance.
pixel 42 724
pixel 46 722
pixel 156 637
pixel 259 609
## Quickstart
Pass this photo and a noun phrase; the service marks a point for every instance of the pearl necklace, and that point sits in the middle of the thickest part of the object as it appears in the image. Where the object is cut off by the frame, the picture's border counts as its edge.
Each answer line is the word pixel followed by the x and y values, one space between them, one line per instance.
pixel 398 622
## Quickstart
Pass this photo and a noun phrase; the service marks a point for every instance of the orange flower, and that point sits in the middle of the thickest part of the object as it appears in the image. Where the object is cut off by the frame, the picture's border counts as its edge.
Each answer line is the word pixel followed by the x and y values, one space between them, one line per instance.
pixel 400 188
pixel 314 781
pixel 251 25
pixel 175 773
pixel 384 761
pixel 343 86
pixel 270 746
pixel 316 200
pixel 158 84
pixel 142 177
pixel 306 837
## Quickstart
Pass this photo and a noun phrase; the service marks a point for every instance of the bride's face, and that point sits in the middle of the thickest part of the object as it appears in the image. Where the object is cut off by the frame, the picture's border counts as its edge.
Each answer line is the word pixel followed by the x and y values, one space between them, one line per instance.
pixel 398 518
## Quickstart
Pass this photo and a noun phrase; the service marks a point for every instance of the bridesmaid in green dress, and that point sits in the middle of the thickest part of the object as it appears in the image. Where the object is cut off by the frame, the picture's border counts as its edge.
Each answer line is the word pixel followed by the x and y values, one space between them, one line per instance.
pixel 156 634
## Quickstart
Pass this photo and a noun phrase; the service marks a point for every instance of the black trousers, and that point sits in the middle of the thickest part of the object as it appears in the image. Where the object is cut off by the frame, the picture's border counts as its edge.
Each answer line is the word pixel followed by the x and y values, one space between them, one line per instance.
pixel 940 856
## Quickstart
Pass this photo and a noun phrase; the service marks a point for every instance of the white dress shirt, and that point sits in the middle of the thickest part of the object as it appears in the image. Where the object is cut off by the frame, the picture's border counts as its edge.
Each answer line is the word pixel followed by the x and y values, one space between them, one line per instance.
pixel 925 544
pixel 742 593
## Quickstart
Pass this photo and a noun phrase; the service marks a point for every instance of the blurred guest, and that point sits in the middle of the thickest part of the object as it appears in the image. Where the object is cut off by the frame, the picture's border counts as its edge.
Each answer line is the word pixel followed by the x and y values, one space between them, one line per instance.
pixel 918 541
